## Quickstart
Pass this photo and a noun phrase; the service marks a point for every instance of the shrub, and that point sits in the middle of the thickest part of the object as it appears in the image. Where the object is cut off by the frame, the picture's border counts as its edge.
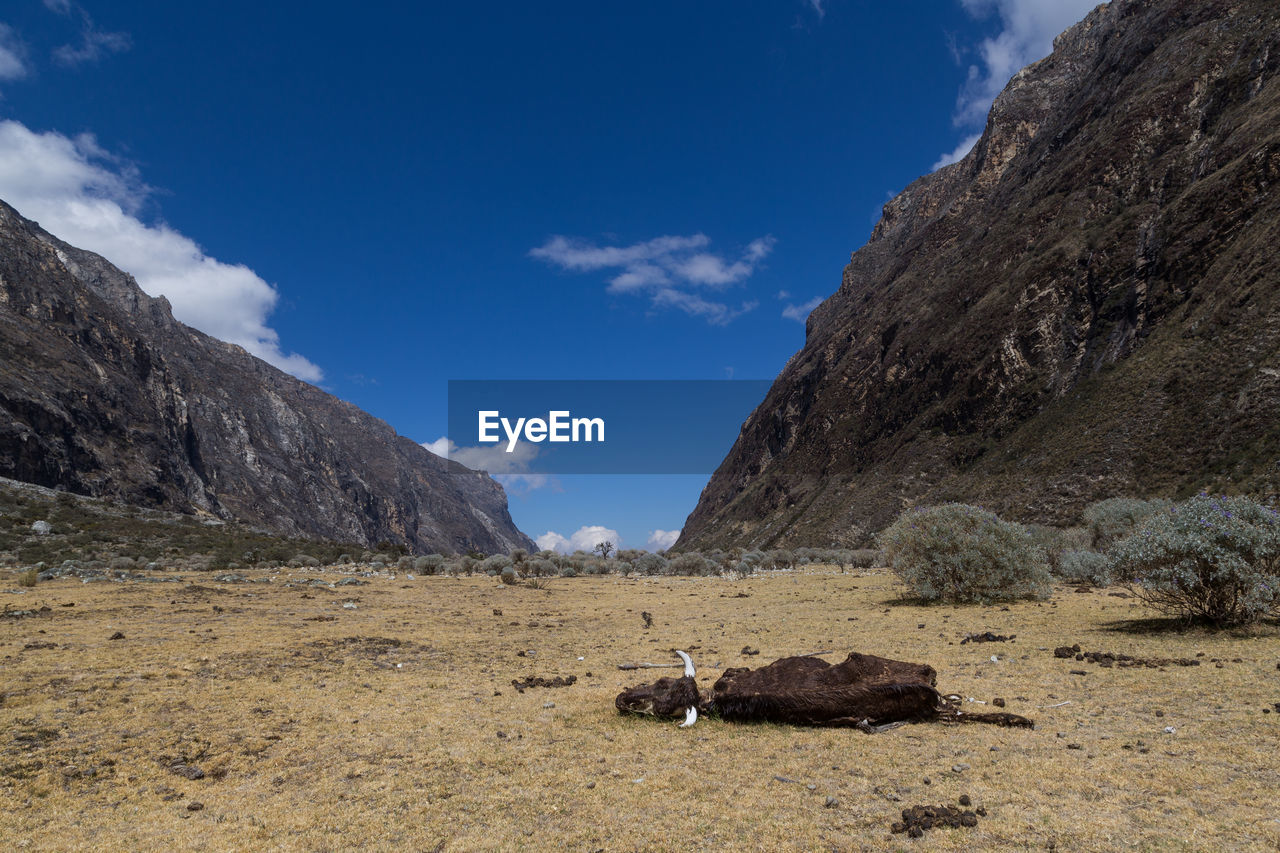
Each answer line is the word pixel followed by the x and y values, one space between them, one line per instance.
pixel 1085 567
pixel 650 564
pixel 1210 559
pixel 301 561
pixel 428 565
pixel 781 558
pixel 568 571
pixel 1111 520
pixel 508 575
pixel 495 564
pixel 866 558
pixel 960 553
pixel 692 564
pixel 542 568
pixel 28 578
pixel 405 564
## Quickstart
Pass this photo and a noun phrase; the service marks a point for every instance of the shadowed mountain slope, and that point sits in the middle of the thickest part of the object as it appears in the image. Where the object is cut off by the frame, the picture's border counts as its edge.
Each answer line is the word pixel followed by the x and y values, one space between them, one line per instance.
pixel 1087 305
pixel 103 393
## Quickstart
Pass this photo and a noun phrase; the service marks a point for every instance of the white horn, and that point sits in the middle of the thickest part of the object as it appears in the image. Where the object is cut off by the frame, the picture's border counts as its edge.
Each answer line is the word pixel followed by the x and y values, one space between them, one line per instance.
pixel 690 717
pixel 688 663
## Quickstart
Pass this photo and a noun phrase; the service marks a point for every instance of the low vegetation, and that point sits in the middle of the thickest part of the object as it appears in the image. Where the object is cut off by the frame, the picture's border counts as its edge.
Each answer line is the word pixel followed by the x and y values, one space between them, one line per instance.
pixel 959 553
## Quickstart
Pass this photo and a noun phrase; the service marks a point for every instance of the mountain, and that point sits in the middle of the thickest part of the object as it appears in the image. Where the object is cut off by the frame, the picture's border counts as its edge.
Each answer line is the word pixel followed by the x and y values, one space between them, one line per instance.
pixel 1086 306
pixel 104 393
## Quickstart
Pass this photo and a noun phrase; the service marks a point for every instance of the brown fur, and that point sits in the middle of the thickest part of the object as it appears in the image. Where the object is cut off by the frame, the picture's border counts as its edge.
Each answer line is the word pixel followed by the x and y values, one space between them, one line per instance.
pixel 861 690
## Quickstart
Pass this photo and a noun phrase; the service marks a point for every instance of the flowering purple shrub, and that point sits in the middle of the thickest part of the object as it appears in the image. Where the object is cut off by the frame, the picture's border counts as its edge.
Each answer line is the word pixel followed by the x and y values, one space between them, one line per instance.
pixel 1215 559
pixel 961 553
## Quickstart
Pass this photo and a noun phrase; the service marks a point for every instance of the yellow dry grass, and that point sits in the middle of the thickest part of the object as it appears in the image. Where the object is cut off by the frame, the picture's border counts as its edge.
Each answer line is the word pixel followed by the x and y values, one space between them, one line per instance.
pixel 394 725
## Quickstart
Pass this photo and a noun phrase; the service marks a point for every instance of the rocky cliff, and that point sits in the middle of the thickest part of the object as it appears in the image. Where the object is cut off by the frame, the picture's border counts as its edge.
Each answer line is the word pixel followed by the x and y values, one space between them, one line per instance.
pixel 1087 305
pixel 104 393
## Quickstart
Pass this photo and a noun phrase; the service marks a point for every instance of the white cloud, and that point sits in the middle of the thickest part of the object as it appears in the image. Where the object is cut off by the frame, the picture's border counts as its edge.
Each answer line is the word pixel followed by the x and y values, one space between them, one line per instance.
pixel 960 152
pixel 818 7
pixel 94 43
pixel 661 540
pixel 1027 31
pixel 13 64
pixel 509 469
pixel 800 313
pixel 440 447
pixel 83 195
pixel 667 269
pixel 585 539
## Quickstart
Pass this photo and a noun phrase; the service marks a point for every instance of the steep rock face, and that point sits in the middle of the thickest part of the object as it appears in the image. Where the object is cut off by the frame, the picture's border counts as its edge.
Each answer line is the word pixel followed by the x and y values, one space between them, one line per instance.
pixel 1086 306
pixel 104 393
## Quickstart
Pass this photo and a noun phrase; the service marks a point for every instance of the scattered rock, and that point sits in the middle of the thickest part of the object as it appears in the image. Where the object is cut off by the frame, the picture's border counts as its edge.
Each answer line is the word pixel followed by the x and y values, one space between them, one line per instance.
pixel 832 803
pixel 41 528
pixel 118 635
pixel 998 702
pixel 187 771
pixel 194 806
pixel 747 650
pixel 1106 660
pixel 987 637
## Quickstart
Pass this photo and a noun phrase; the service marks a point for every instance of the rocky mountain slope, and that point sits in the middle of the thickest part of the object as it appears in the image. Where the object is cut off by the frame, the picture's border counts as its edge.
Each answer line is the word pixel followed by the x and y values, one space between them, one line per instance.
pixel 1087 305
pixel 104 393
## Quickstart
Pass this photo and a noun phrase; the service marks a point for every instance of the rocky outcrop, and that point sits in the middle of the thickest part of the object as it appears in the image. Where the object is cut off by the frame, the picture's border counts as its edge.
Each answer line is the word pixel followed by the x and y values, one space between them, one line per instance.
pixel 1086 306
pixel 103 393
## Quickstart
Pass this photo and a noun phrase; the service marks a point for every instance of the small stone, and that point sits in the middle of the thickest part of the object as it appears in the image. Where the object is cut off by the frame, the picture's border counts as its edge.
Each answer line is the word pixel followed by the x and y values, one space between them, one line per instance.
pixel 959 768
pixel 812 787
pixel 590 785
pixel 965 800
pixel 999 703
pixel 187 771
pixel 832 803
pixel 1169 730
pixel 927 780
pixel 1159 713
pixel 71 771
pixel 118 635
pixel 1074 746
pixel 548 704
pixel 194 806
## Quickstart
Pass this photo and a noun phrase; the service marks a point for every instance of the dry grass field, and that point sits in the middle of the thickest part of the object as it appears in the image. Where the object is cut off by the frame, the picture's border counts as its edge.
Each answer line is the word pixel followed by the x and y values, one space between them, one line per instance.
pixel 383 716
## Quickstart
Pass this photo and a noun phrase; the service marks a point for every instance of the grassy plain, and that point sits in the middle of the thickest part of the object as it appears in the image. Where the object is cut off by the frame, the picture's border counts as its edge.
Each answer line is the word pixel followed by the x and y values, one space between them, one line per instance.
pixel 393 724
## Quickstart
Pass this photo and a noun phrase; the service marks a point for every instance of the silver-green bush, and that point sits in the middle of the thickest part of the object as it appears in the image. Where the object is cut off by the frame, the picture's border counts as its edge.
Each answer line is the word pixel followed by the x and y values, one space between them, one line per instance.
pixel 1213 559
pixel 1111 520
pixel 1085 567
pixel 961 553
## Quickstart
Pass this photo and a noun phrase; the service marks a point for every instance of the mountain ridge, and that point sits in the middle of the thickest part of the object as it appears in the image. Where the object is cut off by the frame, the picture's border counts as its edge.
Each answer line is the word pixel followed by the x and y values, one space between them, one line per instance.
pixel 104 393
pixel 1034 327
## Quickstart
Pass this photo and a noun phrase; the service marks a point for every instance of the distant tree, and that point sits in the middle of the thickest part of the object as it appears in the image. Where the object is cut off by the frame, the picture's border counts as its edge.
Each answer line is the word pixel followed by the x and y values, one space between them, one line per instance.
pixel 604 549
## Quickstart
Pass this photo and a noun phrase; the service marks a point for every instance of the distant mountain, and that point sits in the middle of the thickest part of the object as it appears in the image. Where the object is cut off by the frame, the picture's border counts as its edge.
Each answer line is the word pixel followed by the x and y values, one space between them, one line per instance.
pixel 104 393
pixel 1087 305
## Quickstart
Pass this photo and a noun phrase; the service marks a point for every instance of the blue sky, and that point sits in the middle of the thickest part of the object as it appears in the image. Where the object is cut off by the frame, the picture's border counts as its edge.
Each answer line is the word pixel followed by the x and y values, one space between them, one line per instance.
pixel 381 200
